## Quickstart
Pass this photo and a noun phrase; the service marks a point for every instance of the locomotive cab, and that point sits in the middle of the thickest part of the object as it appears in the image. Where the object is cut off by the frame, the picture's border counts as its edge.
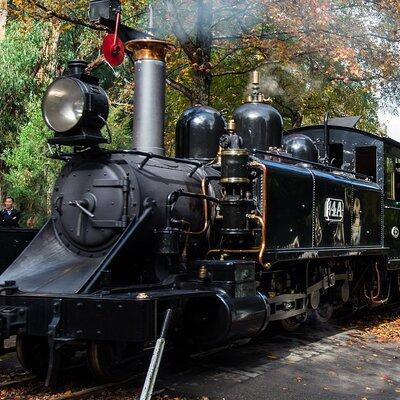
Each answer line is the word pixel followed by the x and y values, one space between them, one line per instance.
pixel 376 159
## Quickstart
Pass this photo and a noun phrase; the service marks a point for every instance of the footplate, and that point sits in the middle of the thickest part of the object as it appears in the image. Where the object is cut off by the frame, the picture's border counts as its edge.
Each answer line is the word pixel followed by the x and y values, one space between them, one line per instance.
pixel 12 320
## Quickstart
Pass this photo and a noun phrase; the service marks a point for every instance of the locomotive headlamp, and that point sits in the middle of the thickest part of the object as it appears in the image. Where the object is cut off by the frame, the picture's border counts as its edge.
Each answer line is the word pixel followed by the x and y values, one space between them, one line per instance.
pixel 75 108
pixel 63 104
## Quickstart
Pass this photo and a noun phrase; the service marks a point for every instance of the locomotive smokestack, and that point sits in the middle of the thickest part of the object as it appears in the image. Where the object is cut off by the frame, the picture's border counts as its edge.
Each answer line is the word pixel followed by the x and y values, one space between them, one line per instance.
pixel 150 79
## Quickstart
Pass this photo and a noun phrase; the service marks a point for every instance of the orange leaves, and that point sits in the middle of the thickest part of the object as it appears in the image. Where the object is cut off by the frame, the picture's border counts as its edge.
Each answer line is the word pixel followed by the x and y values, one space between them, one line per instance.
pixel 385 328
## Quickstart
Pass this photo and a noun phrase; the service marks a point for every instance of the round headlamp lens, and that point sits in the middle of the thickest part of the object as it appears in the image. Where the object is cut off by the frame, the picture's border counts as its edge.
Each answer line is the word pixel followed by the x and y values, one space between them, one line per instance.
pixel 63 105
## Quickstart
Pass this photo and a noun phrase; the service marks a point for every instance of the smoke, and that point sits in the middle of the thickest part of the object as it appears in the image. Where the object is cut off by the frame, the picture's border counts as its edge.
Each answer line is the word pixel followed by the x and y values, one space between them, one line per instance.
pixel 280 80
pixel 271 86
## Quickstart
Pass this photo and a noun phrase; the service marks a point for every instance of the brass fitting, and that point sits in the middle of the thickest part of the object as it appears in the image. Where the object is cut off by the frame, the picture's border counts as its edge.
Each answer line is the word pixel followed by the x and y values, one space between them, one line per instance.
pixel 255 78
pixel 149 48
pixel 231 126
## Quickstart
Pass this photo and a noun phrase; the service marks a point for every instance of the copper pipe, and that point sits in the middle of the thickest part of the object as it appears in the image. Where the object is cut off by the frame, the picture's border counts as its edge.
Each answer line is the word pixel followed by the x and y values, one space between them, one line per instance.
pixel 217 159
pixel 260 250
pixel 206 217
pixel 263 241
pixel 233 251
pixel 264 170
pixel 374 298
pixel 378 278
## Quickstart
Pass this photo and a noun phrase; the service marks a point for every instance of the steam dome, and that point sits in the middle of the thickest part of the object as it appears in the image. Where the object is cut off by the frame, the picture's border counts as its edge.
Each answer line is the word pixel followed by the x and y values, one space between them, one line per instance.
pixel 197 133
pixel 301 146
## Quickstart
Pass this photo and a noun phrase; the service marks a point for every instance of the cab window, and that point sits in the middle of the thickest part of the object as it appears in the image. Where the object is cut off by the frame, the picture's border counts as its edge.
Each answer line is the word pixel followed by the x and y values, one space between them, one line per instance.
pixel 392 178
pixel 366 161
pixel 336 154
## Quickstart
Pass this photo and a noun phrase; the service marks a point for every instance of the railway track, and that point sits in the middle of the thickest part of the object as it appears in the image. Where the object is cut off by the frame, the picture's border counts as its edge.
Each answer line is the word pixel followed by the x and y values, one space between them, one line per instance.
pixel 78 394
pixel 17 382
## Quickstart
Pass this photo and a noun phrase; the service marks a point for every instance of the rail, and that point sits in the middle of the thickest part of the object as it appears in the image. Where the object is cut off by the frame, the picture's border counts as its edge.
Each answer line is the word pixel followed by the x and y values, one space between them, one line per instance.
pixel 147 157
pixel 315 164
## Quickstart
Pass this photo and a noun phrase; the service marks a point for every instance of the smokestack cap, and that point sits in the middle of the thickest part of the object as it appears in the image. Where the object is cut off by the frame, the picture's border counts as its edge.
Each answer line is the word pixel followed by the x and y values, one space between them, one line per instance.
pixel 149 48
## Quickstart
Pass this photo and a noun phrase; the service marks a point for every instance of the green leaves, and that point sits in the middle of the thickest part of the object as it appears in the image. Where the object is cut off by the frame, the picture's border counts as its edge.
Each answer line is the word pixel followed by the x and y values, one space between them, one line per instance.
pixel 19 55
pixel 31 175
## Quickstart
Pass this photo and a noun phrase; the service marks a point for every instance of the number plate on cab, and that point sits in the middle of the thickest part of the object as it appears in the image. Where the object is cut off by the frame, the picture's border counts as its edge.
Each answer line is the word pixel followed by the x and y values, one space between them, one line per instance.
pixel 334 210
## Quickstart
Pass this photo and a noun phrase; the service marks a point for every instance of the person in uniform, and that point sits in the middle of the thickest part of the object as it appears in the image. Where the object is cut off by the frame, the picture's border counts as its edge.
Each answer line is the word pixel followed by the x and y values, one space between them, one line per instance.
pixel 9 215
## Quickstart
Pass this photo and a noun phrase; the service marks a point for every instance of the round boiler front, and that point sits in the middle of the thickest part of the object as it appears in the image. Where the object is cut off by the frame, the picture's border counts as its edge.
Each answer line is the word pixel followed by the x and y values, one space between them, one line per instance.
pixel 96 199
pixel 91 204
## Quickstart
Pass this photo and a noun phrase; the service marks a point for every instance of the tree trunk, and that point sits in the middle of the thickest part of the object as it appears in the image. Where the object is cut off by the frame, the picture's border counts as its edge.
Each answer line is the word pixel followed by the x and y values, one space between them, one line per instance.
pixel 3 18
pixel 201 89
pixel 296 120
pixel 197 49
pixel 47 63
pixel 202 69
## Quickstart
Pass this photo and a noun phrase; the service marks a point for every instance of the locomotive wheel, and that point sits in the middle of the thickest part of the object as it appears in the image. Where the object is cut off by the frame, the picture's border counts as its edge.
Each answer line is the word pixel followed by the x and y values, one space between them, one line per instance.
pixel 291 324
pixel 114 361
pixel 33 354
pixel 324 312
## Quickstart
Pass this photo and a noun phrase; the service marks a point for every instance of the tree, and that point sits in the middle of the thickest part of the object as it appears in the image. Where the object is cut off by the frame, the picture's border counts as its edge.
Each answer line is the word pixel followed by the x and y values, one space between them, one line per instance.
pixel 31 174
pixel 229 37
pixel 220 41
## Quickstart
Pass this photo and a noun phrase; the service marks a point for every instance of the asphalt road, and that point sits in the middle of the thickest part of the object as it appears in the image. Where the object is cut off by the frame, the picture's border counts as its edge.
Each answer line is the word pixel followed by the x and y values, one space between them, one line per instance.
pixel 322 362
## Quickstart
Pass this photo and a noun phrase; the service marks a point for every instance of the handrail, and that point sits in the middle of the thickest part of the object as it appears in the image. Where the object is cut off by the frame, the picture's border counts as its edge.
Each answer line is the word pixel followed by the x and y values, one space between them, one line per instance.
pixel 316 164
pixel 147 156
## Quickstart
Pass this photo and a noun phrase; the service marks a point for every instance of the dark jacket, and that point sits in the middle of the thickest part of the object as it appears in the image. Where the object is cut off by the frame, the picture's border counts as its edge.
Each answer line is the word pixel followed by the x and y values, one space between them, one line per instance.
pixel 10 219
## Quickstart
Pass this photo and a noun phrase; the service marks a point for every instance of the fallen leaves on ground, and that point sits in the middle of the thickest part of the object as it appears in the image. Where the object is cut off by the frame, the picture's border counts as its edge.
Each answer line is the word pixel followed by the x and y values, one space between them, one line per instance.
pixel 384 326
pixel 116 394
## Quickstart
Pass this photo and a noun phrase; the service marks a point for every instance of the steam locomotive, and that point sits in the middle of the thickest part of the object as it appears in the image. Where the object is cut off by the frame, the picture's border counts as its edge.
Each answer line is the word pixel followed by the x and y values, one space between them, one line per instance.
pixel 246 225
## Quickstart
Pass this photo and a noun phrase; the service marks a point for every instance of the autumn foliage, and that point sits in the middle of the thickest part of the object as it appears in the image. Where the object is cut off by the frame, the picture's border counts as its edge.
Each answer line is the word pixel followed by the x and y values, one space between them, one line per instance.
pixel 314 56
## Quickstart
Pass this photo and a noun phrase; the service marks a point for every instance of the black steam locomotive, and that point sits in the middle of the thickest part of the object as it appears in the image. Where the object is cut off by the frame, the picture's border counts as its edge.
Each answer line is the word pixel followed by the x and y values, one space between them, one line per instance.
pixel 243 227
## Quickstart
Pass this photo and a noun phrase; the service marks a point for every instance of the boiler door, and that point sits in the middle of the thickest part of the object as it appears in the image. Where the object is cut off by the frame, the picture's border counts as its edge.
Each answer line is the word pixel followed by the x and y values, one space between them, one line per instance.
pixel 89 205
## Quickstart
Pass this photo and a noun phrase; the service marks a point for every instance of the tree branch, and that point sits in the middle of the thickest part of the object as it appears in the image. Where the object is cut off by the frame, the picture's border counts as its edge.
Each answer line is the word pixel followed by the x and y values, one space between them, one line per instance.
pixel 241 72
pixel 63 17
pixel 181 88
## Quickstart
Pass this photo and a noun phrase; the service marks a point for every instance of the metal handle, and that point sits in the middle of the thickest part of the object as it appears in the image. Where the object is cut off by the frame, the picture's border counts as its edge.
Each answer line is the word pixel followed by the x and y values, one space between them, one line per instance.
pixel 78 203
